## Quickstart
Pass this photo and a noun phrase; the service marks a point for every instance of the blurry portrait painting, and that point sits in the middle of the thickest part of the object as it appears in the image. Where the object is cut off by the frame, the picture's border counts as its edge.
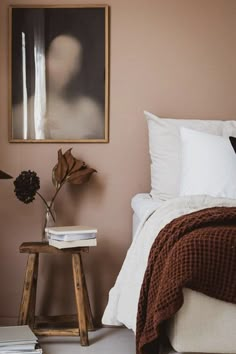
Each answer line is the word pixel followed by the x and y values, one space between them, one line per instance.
pixel 58 74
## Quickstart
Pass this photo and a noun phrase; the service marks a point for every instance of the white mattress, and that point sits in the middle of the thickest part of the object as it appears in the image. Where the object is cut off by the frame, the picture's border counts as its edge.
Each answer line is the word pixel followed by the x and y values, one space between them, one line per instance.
pixel 203 324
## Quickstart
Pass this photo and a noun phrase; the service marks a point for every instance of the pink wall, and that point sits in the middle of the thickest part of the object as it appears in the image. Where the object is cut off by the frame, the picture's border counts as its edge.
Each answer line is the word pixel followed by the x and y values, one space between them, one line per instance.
pixel 172 57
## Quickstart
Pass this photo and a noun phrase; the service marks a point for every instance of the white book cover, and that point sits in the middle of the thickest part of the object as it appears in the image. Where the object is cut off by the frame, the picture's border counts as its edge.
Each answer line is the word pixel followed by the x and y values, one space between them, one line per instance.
pixel 71 244
pixel 65 230
pixel 17 335
pixel 72 237
pixel 14 347
pixel 34 351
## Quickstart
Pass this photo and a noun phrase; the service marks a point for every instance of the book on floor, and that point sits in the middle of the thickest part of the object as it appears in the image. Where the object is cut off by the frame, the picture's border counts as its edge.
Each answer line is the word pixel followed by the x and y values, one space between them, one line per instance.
pixel 18 339
pixel 21 351
pixel 17 346
pixel 71 233
pixel 34 351
pixel 71 244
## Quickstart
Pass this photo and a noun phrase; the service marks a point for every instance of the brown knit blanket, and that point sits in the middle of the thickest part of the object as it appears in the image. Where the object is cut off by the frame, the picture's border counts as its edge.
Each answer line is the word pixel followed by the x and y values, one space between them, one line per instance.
pixel 196 251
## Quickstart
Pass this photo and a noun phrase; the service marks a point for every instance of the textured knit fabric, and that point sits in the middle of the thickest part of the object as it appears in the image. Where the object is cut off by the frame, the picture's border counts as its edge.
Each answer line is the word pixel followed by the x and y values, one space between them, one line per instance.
pixel 196 251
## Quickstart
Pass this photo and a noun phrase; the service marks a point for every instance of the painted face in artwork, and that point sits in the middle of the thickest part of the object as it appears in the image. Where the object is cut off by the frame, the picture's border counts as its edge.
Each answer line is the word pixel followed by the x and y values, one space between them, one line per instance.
pixel 63 61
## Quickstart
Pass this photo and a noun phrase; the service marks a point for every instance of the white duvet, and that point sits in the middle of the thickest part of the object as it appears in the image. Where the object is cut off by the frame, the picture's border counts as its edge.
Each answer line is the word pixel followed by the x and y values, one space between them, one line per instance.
pixel 123 297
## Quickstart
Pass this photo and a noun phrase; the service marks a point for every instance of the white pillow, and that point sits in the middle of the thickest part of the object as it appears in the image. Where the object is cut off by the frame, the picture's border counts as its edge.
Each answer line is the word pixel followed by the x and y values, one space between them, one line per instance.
pixel 165 149
pixel 208 165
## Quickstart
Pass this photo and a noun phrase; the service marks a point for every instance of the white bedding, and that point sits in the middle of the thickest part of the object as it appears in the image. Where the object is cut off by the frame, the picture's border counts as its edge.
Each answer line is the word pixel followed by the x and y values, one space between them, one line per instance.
pixel 123 297
pixel 143 206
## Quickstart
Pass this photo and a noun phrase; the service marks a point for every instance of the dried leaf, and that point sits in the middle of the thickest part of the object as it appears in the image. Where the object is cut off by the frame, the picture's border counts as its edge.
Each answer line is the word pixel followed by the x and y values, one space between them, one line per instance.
pixel 54 181
pixel 60 171
pixel 79 164
pixel 69 169
pixel 81 176
pixel 69 159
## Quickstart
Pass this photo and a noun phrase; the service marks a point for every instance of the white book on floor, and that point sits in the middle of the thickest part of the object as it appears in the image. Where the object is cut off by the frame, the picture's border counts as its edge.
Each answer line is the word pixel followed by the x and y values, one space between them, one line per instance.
pixel 17 346
pixel 12 336
pixel 71 244
pixel 34 351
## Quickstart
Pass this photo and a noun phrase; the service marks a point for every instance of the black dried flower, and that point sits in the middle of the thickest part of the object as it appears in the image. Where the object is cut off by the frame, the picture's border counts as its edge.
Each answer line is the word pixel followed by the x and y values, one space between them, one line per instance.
pixel 26 186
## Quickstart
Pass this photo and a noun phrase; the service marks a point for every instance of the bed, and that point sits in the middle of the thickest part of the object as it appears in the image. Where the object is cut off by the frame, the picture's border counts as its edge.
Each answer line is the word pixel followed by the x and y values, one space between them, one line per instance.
pixel 212 320
pixel 203 323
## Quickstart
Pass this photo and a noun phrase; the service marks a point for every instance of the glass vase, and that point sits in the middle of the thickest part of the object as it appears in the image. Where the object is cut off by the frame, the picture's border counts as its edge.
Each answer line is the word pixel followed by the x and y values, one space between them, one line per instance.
pixel 49 220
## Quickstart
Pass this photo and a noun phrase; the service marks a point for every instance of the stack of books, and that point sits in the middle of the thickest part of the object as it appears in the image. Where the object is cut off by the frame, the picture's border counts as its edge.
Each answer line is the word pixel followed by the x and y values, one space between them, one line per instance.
pixel 18 340
pixel 72 236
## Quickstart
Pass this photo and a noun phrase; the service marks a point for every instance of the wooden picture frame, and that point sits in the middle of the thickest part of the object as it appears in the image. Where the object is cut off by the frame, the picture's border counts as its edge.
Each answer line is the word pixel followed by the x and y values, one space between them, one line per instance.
pixel 58 73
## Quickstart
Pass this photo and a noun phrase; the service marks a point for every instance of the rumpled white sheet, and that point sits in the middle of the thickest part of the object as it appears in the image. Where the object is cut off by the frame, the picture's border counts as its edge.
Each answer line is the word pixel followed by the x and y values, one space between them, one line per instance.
pixel 123 297
pixel 143 204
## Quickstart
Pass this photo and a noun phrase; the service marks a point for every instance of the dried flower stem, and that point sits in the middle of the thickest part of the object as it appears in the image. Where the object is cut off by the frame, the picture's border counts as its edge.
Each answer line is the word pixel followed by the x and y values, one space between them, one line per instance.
pixel 57 191
pixel 47 206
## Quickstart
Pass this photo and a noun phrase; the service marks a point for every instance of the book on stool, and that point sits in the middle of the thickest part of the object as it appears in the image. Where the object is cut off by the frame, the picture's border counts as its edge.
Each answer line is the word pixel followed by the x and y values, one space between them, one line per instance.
pixel 71 236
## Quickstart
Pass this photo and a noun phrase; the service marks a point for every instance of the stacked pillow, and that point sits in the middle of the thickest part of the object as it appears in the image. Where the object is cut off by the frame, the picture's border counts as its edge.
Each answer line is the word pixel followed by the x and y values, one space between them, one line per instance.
pixel 191 156
pixel 208 165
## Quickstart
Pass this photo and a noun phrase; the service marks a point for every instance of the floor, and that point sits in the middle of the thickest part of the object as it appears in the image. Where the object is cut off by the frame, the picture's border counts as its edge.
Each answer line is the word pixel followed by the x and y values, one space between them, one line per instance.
pixel 102 341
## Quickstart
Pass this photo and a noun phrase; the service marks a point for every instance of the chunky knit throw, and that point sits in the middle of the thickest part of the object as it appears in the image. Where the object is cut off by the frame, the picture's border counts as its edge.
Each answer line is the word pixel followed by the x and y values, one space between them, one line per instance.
pixel 196 251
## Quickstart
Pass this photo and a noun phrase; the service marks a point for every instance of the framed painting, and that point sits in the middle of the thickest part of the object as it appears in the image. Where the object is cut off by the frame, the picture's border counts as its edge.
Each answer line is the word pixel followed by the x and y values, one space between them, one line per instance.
pixel 58 73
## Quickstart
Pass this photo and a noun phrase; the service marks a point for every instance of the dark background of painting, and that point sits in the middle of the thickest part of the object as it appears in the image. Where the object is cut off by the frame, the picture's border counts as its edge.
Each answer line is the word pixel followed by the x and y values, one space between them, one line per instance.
pixel 86 24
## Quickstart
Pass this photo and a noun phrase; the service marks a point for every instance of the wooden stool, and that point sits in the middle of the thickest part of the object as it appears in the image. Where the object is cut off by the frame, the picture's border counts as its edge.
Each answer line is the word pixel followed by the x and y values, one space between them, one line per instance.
pixel 28 302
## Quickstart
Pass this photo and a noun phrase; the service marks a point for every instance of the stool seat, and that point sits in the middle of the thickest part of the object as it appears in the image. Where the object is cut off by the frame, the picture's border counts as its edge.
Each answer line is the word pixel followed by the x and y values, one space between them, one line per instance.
pixel 46 325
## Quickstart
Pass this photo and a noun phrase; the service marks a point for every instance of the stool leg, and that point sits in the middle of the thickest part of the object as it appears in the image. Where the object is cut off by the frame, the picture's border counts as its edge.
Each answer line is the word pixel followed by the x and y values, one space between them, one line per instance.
pixel 32 304
pixel 27 289
pixel 79 296
pixel 88 311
